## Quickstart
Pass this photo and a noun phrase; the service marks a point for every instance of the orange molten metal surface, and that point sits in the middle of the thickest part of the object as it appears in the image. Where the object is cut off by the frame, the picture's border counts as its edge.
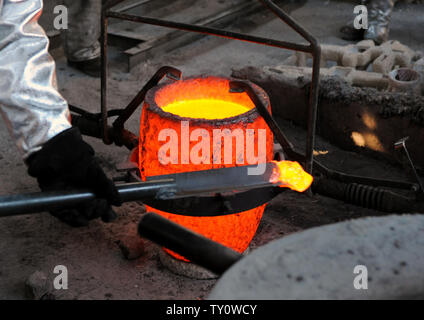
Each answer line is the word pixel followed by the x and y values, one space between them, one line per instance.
pixel 210 88
pixel 210 99
pixel 206 109
pixel 290 174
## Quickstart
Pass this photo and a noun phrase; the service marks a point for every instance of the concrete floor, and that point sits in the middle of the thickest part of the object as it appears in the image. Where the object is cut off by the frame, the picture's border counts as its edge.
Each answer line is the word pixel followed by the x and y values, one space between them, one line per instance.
pixel 96 267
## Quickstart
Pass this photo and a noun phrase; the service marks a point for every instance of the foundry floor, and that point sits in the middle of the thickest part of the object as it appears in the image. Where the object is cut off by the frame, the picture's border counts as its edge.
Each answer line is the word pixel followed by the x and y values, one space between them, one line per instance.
pixel 96 267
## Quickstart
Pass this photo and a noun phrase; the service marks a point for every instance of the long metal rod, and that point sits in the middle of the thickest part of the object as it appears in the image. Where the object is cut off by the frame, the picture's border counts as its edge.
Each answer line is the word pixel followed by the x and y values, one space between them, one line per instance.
pixel 241 86
pixel 417 177
pixel 290 22
pixel 138 99
pixel 45 201
pixel 313 110
pixel 348 178
pixel 402 144
pixel 314 88
pixel 193 246
pixel 103 83
pixel 89 126
pixel 168 187
pixel 210 31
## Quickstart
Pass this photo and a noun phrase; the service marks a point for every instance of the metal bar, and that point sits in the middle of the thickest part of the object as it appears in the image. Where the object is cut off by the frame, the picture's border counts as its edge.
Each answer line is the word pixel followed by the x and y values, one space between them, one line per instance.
pixel 313 109
pixel 92 127
pixel 221 180
pixel 402 144
pixel 219 204
pixel 166 187
pixel 93 116
pixel 236 86
pixel 313 97
pixel 210 31
pixel 103 83
pixel 195 247
pixel 44 201
pixel 417 177
pixel 169 187
pixel 83 113
pixel 138 99
pixel 343 177
pixel 289 21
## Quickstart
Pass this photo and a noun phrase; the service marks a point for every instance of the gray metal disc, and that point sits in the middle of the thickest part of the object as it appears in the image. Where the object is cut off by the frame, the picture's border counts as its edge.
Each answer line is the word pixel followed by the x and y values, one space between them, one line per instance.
pixel 319 263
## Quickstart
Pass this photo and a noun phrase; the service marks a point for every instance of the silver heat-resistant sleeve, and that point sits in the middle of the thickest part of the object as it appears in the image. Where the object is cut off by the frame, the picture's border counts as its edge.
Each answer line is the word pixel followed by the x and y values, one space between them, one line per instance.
pixel 33 109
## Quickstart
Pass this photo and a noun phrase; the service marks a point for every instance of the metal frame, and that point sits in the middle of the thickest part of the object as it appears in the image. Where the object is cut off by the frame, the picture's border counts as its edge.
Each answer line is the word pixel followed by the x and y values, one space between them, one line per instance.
pixel 120 136
pixel 96 125
pixel 313 48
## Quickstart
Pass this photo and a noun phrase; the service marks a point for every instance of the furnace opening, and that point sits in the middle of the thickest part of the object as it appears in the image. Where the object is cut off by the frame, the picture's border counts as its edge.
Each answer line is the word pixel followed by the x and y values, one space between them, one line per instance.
pixel 203 98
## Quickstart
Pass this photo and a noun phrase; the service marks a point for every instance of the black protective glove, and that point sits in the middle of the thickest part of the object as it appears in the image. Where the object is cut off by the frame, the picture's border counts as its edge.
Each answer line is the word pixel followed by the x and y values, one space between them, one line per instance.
pixel 67 162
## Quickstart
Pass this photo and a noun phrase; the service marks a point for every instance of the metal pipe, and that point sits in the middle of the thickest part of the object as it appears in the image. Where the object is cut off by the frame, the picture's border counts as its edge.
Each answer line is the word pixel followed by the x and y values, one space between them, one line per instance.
pixel 210 31
pixel 221 180
pixel 402 144
pixel 237 86
pixel 44 201
pixel 195 247
pixel 94 128
pixel 315 49
pixel 103 83
pixel 171 72
pixel 290 21
pixel 166 187
pixel 348 178
pixel 313 109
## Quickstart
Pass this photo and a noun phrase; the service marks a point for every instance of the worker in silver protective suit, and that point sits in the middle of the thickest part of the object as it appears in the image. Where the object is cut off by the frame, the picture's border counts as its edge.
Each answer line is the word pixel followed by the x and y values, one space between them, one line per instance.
pixel 80 40
pixel 38 118
pixel 379 13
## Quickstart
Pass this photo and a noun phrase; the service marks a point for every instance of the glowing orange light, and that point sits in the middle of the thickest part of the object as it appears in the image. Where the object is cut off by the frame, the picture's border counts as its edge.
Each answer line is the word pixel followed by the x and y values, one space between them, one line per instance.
pixel 290 174
pixel 206 109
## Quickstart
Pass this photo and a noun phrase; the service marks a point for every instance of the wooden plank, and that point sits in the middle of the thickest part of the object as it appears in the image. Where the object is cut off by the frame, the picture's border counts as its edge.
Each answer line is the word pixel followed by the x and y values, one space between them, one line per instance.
pixel 141 32
pixel 120 32
pixel 188 11
pixel 129 4
pixel 175 38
